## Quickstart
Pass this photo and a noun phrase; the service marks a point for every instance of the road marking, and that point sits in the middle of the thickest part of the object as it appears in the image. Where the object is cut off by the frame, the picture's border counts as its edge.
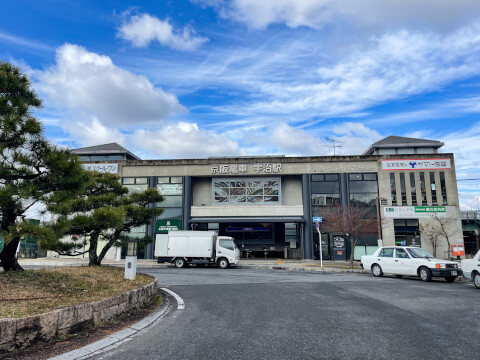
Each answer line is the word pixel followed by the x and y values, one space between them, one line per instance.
pixel 180 302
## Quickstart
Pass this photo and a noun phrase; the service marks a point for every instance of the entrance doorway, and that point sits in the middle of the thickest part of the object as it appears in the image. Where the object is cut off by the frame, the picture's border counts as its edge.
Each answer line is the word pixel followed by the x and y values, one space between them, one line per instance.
pixel 407 232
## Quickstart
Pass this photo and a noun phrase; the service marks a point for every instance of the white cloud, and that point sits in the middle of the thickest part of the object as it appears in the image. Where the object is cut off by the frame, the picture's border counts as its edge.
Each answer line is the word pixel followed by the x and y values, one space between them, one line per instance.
pixel 185 140
pixel 93 132
pixel 354 138
pixel 86 85
pixel 434 14
pixel 140 30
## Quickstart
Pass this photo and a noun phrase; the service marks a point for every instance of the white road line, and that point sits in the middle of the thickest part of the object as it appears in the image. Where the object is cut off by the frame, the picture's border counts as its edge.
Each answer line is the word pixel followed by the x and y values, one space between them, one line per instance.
pixel 181 303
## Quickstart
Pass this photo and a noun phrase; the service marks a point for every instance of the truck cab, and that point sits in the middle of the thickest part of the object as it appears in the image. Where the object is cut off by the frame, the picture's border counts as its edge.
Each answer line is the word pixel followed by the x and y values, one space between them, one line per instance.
pixel 227 252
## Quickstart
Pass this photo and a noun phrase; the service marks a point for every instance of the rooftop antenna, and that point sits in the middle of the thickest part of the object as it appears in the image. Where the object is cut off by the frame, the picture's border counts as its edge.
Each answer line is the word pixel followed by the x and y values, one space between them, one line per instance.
pixel 333 141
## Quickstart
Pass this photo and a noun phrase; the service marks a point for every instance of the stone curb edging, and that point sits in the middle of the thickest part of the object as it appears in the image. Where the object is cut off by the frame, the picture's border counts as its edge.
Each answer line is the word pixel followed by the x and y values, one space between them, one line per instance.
pixel 18 334
pixel 122 335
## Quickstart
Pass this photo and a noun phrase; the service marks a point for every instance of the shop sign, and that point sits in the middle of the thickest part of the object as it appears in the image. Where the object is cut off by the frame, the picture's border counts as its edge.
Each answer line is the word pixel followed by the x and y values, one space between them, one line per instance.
pixel 164 226
pixel 102 168
pixel 413 212
pixel 261 168
pixel 416 164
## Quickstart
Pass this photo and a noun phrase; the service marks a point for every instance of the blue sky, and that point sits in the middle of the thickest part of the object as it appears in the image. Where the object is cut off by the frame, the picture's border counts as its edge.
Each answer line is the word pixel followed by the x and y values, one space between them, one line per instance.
pixel 198 78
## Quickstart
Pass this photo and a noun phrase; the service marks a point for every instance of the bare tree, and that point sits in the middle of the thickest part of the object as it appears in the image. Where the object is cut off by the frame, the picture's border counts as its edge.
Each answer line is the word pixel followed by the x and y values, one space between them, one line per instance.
pixel 352 220
pixel 439 227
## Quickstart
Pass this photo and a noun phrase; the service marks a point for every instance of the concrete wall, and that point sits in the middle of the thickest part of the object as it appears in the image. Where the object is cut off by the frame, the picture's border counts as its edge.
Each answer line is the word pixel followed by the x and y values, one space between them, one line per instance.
pixel 18 334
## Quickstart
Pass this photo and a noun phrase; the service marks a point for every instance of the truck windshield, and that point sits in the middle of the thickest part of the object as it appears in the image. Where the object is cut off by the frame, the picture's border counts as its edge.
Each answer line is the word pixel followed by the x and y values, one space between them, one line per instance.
pixel 227 244
pixel 419 253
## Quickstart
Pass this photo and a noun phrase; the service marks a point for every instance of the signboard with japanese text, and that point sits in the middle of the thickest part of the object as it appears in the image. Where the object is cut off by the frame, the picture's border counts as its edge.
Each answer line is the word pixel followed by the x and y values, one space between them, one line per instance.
pixel 170 189
pixel 261 168
pixel 416 164
pixel 164 226
pixel 102 168
pixel 413 212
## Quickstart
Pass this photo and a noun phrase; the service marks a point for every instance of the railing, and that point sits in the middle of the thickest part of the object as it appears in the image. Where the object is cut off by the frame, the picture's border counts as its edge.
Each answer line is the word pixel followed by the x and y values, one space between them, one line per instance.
pixel 470 215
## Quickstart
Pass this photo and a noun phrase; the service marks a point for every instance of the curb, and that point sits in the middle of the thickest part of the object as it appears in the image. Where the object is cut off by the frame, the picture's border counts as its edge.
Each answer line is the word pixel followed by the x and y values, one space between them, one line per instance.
pixel 125 334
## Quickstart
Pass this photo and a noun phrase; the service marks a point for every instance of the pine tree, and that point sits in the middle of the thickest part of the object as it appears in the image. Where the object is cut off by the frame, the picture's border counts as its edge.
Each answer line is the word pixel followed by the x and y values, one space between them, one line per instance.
pixel 104 211
pixel 31 168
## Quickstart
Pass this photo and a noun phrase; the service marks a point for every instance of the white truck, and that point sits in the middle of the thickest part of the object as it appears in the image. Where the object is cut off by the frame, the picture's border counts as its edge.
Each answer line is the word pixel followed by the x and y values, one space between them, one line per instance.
pixel 471 269
pixel 196 247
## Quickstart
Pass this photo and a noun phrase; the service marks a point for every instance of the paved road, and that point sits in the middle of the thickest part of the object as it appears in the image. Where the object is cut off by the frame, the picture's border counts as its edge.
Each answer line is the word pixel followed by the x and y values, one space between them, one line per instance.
pixel 253 314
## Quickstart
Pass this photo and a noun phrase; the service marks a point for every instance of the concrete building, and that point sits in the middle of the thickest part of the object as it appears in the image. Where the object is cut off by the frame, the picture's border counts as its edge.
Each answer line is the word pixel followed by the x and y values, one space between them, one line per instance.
pixel 267 203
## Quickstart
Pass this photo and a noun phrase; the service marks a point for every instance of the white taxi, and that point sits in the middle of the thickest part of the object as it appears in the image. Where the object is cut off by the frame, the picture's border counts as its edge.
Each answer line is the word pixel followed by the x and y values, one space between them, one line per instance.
pixel 409 261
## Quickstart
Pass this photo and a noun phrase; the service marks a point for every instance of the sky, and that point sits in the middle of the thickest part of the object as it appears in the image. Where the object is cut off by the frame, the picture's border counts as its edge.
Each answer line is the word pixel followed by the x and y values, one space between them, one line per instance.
pixel 199 78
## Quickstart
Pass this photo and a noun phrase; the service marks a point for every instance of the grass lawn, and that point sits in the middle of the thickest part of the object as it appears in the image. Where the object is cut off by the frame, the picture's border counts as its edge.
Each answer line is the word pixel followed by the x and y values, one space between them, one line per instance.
pixel 33 292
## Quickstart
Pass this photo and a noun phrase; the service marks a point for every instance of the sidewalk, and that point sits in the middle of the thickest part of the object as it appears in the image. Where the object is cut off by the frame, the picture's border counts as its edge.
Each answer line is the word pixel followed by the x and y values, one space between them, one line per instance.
pixel 276 264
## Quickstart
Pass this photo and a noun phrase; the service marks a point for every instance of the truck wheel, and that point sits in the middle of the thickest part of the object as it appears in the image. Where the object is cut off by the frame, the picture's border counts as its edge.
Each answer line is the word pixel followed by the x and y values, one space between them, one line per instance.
pixel 450 279
pixel 425 274
pixel 222 263
pixel 476 280
pixel 180 262
pixel 377 270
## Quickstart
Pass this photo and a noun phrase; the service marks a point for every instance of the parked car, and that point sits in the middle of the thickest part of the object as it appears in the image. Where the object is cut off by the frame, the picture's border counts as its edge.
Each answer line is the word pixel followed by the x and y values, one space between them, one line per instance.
pixel 471 269
pixel 409 261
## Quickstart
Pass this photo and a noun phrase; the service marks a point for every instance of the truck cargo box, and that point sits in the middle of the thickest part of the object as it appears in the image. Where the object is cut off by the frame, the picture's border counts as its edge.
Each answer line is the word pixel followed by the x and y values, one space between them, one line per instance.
pixel 180 243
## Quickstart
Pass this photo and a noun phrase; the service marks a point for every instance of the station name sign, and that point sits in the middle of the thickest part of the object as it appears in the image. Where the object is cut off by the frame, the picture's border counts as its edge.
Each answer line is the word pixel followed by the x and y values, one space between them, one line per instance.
pixel 413 212
pixel 261 168
pixel 416 164
pixel 102 168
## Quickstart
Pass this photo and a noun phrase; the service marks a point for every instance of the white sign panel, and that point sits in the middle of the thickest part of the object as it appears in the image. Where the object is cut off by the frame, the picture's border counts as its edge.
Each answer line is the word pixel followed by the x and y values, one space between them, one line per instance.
pixel 416 164
pixel 264 168
pixel 102 168
pixel 413 212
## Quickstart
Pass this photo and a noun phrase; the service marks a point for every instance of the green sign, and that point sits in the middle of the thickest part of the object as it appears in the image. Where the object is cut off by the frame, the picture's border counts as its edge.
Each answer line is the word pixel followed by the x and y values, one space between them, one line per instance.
pixel 164 226
pixel 430 209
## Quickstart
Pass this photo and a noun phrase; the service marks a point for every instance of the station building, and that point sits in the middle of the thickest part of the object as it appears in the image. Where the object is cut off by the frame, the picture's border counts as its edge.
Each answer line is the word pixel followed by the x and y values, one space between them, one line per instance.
pixel 267 203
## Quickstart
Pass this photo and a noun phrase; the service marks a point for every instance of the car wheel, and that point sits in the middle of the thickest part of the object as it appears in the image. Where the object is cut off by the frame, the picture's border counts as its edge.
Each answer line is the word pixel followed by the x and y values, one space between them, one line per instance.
pixel 476 280
pixel 450 279
pixel 222 263
pixel 377 270
pixel 180 262
pixel 425 274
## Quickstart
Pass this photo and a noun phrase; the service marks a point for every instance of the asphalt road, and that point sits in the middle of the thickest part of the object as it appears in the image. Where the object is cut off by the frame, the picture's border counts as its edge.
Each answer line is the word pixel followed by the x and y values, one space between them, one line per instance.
pixel 253 314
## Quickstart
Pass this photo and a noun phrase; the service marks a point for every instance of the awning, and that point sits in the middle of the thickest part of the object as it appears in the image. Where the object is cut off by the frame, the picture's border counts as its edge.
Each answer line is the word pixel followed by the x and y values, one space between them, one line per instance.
pixel 282 219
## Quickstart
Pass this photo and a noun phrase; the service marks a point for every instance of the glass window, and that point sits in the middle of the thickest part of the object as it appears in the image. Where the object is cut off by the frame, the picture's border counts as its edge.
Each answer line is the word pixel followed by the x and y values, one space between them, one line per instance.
pixel 355 177
pixel 318 177
pixel 141 180
pixel 443 188
pixel 423 190
pixel 403 189
pixel 325 199
pixel 84 158
pixel 369 176
pixel 325 187
pixel 163 180
pixel 363 189
pixel 363 199
pixel 363 186
pixel 137 188
pixel 98 157
pixel 128 181
pixel 401 254
pixel 399 222
pixel 176 180
pixel 170 189
pixel 227 244
pixel 171 201
pixel 331 177
pixel 386 252
pixel 115 157
pixel 434 189
pixel 393 189
pixel 171 213
pixel 419 253
pixel 246 191
pixel 413 189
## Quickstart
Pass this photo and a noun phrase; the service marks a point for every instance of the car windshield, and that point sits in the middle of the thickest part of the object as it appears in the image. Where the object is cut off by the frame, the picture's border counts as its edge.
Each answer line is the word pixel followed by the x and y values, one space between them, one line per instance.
pixel 419 253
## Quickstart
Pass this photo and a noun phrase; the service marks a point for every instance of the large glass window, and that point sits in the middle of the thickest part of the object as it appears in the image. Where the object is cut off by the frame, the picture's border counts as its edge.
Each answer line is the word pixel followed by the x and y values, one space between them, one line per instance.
pixel 325 191
pixel 135 185
pixel 434 188
pixel 172 190
pixel 443 188
pixel 393 189
pixel 246 191
pixel 403 189
pixel 98 157
pixel 413 189
pixel 363 188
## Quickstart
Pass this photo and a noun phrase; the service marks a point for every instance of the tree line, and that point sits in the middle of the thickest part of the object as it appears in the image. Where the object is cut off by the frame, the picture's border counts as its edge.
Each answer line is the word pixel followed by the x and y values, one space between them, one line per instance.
pixel 86 207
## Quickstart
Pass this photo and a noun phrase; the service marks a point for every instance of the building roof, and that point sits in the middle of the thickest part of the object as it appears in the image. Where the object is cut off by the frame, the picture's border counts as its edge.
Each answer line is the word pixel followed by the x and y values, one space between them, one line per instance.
pixel 111 148
pixel 402 142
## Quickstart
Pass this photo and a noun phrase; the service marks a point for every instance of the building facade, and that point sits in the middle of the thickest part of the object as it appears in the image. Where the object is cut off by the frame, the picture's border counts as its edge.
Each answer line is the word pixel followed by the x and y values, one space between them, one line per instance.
pixel 268 203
